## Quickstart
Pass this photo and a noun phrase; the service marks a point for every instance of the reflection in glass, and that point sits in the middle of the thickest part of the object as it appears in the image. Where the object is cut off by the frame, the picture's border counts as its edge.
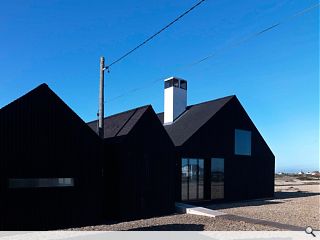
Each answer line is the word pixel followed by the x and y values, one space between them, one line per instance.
pixel 242 142
pixel 217 178
pixel 192 173
pixel 193 179
pixel 201 176
pixel 184 179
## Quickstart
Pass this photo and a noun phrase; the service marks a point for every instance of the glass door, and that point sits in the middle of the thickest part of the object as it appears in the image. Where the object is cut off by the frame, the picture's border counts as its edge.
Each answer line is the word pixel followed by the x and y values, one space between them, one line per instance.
pixel 192 174
pixel 217 178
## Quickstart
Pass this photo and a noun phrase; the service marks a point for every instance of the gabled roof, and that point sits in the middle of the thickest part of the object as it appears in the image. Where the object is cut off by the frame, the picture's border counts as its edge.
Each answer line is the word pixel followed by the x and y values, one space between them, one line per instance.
pixel 120 124
pixel 192 119
pixel 41 94
pixel 40 88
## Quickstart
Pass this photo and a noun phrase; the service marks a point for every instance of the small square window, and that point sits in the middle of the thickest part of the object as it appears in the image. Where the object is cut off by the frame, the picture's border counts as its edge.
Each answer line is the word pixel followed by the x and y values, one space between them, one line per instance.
pixel 242 142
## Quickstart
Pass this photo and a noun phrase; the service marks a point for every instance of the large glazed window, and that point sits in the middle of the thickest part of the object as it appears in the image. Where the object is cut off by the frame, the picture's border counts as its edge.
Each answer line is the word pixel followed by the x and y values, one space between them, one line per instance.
pixel 217 178
pixel 192 179
pixel 242 142
pixel 40 182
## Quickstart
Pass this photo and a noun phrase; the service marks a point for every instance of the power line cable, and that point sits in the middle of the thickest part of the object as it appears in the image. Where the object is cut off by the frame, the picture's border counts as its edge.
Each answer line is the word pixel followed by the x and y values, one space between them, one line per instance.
pixel 155 34
pixel 256 34
pixel 233 45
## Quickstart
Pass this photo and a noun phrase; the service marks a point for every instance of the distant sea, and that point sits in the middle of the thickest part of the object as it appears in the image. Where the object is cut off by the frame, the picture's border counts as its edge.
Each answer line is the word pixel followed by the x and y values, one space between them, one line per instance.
pixel 295 170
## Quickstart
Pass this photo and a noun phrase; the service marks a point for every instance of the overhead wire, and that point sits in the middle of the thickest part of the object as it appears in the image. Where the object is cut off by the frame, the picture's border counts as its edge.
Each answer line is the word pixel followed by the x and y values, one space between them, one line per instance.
pixel 228 47
pixel 155 34
pixel 251 36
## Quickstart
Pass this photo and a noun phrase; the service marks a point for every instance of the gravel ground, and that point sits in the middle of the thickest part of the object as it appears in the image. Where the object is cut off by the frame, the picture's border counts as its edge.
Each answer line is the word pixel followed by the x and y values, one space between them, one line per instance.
pixel 179 222
pixel 297 205
pixel 294 205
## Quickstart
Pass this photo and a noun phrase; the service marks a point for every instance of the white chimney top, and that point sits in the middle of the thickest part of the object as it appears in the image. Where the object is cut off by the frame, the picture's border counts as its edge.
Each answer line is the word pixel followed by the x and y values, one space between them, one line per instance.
pixel 175 98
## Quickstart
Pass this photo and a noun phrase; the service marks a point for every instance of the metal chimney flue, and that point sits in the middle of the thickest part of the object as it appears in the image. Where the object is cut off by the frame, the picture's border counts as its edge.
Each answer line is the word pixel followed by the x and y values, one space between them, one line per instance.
pixel 101 99
pixel 175 98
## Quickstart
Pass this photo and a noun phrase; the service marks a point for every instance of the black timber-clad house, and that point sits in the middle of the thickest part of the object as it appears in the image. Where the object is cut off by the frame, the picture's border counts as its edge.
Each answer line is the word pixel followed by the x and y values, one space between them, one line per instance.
pixel 50 165
pixel 221 154
pixel 139 163
pixel 55 172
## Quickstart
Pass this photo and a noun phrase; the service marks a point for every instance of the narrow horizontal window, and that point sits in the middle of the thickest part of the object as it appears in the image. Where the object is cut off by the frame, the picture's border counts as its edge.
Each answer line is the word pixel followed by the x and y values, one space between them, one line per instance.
pixel 40 182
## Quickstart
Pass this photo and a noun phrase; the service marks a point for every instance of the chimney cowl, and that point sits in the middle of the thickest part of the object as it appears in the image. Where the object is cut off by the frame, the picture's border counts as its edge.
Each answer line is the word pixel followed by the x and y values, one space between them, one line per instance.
pixel 175 98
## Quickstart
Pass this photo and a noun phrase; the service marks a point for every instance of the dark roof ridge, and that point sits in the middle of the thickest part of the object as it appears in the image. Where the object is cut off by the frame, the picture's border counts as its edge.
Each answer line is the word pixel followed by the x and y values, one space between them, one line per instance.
pixel 196 104
pixel 119 113
pixel 126 122
pixel 121 123
pixel 188 107
pixel 193 118
pixel 45 87
pixel 42 85
pixel 216 99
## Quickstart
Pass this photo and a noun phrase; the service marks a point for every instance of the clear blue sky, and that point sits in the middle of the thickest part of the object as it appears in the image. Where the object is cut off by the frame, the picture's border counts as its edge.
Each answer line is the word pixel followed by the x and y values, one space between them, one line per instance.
pixel 275 76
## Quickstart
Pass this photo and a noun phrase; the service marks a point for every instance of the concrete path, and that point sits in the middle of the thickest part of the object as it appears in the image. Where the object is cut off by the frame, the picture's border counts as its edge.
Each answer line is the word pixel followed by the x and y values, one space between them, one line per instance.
pixel 195 210
pixel 281 226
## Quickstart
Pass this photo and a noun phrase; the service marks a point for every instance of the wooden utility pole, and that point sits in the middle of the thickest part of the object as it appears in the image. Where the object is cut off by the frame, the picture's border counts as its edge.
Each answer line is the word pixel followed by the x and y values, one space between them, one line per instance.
pixel 101 99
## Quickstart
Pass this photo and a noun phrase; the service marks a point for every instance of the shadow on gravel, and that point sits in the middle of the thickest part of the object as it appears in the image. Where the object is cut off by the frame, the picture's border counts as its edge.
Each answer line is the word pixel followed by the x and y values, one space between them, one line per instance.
pixel 260 202
pixel 217 206
pixel 283 195
pixel 171 227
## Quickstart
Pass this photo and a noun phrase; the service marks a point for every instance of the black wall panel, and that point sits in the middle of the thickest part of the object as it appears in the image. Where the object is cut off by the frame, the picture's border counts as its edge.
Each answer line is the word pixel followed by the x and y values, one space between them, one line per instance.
pixel 144 165
pixel 246 177
pixel 41 137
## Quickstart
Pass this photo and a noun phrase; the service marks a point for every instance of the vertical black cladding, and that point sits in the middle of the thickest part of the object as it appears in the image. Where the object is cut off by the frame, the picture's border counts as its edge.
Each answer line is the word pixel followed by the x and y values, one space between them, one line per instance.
pixel 41 137
pixel 44 144
pixel 143 177
pixel 245 177
pixel 134 172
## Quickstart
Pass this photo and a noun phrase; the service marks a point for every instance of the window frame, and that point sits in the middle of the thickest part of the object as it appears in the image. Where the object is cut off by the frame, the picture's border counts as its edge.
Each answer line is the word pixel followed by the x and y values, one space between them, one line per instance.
pixel 237 148
pixel 198 194
pixel 33 183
